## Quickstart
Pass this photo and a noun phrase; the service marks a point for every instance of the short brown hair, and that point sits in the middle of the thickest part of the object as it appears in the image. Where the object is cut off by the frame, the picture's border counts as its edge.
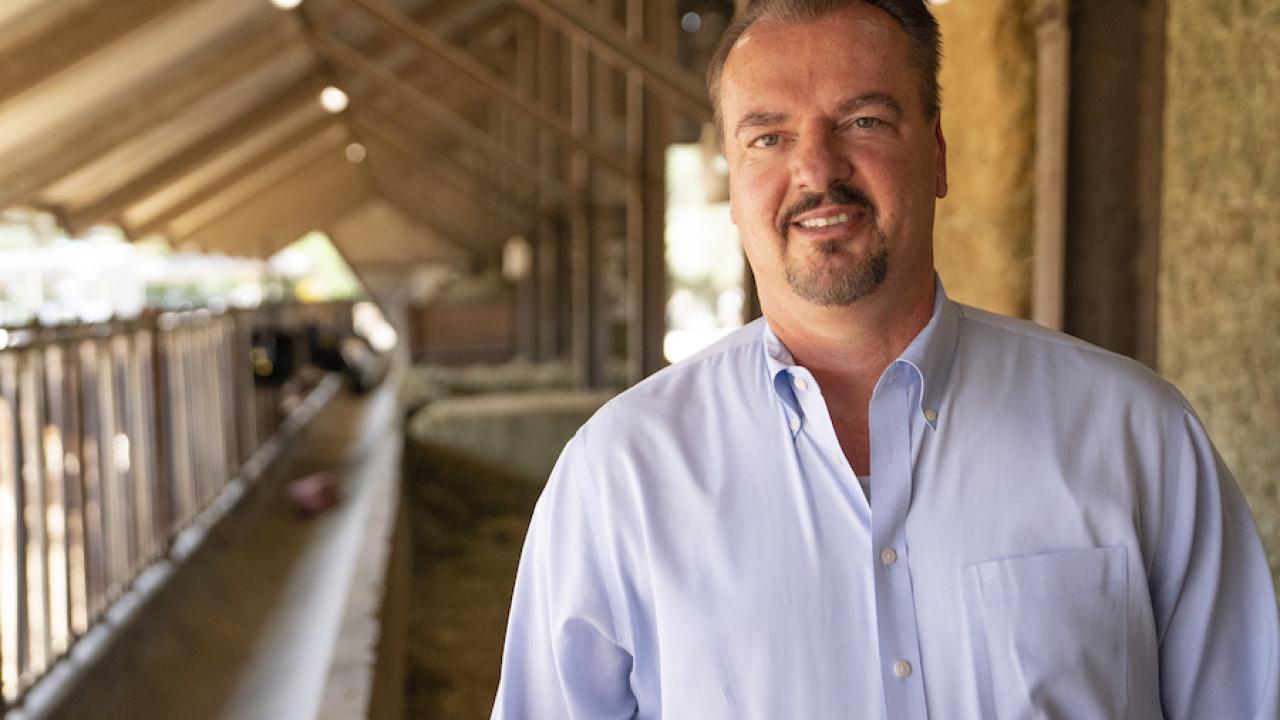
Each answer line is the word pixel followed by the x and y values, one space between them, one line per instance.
pixel 925 53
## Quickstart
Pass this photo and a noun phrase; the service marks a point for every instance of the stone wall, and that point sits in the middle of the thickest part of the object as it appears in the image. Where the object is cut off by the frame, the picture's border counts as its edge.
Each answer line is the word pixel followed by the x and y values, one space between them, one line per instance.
pixel 1220 235
pixel 983 229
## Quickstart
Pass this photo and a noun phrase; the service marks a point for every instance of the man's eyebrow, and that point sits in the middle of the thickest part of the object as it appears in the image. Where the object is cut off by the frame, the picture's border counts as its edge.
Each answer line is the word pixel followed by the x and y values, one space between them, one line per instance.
pixel 855 104
pixel 759 118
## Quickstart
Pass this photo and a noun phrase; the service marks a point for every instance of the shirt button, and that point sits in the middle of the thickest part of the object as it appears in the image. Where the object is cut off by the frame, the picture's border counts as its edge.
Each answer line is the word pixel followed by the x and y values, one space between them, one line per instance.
pixel 931 415
pixel 795 424
pixel 888 556
pixel 902 669
pixel 800 384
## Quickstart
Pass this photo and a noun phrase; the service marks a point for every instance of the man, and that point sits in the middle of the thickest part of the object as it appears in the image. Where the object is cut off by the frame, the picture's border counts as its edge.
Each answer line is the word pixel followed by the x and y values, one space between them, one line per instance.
pixel 878 503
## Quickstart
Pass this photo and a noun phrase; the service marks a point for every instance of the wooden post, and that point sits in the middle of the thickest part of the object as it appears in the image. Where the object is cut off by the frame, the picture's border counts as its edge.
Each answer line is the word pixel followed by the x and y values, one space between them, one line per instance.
pixel 549 231
pixel 636 237
pixel 581 250
pixel 657 136
pixel 523 138
pixel 1053 49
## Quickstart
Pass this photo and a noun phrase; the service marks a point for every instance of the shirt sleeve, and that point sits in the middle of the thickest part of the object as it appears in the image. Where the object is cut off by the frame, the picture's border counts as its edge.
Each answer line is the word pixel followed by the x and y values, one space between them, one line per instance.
pixel 1212 592
pixel 562 658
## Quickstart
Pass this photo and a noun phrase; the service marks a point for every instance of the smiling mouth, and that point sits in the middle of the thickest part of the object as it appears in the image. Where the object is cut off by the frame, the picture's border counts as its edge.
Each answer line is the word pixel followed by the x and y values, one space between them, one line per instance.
pixel 822 222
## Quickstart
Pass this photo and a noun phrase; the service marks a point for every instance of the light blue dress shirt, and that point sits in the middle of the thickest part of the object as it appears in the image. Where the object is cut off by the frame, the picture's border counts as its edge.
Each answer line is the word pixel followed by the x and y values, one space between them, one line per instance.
pixel 1051 535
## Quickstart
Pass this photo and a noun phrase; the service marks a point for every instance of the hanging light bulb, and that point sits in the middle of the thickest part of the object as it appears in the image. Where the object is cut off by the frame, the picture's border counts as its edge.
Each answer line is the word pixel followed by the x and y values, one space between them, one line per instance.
pixel 333 100
pixel 286 4
pixel 356 153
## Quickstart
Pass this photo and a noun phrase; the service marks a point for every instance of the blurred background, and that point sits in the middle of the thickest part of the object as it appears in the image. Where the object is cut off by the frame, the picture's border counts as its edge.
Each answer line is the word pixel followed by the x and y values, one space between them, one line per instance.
pixel 300 299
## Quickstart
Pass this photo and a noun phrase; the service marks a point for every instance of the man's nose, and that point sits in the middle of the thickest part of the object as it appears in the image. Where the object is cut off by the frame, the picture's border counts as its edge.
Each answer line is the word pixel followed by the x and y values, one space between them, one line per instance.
pixel 818 161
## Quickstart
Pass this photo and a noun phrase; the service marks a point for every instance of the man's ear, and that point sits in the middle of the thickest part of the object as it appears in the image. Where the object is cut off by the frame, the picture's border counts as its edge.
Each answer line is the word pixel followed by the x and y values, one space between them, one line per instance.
pixel 940 189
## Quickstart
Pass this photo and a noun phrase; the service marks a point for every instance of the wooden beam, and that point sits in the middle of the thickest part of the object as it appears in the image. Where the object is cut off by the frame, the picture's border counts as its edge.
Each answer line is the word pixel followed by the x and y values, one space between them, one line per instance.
pixel 395 123
pixel 66 149
pixel 605 37
pixel 425 162
pixel 482 76
pixel 422 103
pixel 582 251
pixel 311 198
pixel 458 204
pixel 71 36
pixel 253 122
pixel 1053 50
pixel 464 214
pixel 449 18
pixel 412 201
pixel 549 236
pixel 246 187
pixel 231 177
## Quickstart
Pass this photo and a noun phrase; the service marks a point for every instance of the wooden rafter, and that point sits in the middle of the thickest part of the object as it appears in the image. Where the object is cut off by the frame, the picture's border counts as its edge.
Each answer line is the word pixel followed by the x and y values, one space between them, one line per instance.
pixel 427 161
pixel 607 38
pixel 409 200
pixel 461 209
pixel 425 105
pixel 243 186
pixel 274 110
pixel 442 152
pixel 229 178
pixel 499 88
pixel 70 36
pixel 278 221
pixel 88 138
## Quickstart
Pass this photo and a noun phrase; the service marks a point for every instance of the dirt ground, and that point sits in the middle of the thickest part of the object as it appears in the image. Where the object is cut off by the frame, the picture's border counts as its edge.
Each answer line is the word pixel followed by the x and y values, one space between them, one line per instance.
pixel 468 524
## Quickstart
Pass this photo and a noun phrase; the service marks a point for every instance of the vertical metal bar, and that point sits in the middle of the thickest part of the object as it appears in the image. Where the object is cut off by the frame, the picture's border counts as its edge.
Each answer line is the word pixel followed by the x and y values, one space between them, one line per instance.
pixel 91 478
pixel 55 509
pixel 138 413
pixel 184 474
pixel 122 459
pixel 162 422
pixel 12 535
pixel 33 514
pixel 246 393
pixel 115 546
pixel 231 409
pixel 73 470
pixel 215 410
pixel 187 337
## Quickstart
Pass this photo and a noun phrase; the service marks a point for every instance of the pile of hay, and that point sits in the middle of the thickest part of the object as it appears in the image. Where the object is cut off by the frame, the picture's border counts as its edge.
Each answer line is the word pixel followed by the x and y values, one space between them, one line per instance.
pixel 474 467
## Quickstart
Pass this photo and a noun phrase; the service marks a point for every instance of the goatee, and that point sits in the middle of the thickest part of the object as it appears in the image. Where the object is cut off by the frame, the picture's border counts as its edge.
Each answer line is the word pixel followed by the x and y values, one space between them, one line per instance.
pixel 838 279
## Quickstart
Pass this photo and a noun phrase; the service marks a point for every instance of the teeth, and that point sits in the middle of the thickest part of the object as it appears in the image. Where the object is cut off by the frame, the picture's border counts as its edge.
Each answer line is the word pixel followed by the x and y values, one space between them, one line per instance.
pixel 823 222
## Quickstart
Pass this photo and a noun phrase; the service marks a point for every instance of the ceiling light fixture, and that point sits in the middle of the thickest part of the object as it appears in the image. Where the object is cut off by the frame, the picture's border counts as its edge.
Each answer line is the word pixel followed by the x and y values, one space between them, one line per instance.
pixel 333 100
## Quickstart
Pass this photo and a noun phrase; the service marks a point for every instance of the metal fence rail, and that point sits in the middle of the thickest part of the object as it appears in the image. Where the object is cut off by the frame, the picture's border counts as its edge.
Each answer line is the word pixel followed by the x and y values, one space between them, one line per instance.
pixel 113 439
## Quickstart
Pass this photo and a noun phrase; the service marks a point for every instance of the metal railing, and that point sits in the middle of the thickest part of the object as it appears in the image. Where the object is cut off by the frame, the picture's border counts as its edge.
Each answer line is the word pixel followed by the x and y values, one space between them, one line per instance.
pixel 113 439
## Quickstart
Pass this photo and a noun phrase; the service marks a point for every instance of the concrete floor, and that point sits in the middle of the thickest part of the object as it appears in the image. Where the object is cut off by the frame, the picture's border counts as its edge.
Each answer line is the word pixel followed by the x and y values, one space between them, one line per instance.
pixel 246 627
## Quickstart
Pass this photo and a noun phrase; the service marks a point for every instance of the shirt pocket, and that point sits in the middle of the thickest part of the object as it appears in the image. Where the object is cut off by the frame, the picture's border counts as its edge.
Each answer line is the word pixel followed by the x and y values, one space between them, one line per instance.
pixel 1051 633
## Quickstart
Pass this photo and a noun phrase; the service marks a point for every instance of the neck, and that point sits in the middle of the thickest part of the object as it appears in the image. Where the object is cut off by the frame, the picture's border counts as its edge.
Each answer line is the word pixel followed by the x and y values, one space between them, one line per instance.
pixel 852 345
pixel 847 350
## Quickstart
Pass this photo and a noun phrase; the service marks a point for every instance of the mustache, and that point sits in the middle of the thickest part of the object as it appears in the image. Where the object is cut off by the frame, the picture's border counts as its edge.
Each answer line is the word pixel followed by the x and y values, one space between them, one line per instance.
pixel 837 194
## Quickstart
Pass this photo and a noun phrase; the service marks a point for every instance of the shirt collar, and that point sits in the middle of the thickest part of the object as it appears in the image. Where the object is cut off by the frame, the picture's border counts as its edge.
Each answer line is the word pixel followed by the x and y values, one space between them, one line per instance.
pixel 930 354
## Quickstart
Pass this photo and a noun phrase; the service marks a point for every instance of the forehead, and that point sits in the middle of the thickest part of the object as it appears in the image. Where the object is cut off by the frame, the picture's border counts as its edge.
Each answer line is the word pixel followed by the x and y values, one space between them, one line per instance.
pixel 854 50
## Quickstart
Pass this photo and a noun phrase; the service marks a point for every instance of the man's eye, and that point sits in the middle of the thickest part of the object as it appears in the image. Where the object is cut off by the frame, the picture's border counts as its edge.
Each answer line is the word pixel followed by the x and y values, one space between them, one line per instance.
pixel 866 123
pixel 766 141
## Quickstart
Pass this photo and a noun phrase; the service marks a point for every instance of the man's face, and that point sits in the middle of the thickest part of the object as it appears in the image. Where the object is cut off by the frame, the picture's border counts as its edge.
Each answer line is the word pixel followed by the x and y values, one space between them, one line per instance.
pixel 834 166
